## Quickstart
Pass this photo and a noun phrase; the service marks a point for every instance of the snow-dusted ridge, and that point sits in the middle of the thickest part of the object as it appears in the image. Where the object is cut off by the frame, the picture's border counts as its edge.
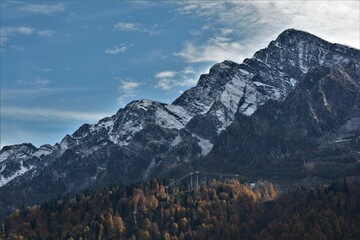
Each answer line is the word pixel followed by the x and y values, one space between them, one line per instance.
pixel 16 160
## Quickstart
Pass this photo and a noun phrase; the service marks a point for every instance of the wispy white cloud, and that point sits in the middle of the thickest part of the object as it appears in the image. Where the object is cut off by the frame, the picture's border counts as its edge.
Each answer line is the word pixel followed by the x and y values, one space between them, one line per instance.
pixel 7 33
pixel 51 114
pixel 167 80
pixel 117 49
pixel 37 82
pixel 165 74
pixel 44 8
pixel 46 70
pixel 42 81
pixel 226 31
pixel 165 83
pixel 25 92
pixel 36 88
pixel 188 70
pixel 128 89
pixel 22 30
pixel 239 28
pixel 30 88
pixel 155 29
pixel 46 33
pixel 128 26
pixel 137 27
pixel 128 86
pixel 213 50
pixel 200 31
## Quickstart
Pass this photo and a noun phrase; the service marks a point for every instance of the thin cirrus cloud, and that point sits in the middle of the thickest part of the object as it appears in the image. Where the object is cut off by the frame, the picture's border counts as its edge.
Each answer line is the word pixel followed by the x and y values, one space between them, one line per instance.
pixel 165 74
pixel 155 29
pixel 128 89
pixel 46 33
pixel 28 92
pixel 45 9
pixel 166 79
pixel 117 49
pixel 259 22
pixel 213 50
pixel 8 33
pixel 128 26
pixel 50 114
pixel 128 86
pixel 17 30
pixel 37 82
pixel 36 88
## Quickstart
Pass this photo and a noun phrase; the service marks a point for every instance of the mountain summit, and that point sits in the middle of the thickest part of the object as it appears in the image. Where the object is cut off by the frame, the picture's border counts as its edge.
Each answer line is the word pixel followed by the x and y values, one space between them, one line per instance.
pixel 280 87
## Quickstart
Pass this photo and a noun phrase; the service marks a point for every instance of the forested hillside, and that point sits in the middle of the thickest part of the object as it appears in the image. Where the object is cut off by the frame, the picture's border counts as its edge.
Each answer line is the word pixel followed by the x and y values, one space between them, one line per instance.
pixel 218 209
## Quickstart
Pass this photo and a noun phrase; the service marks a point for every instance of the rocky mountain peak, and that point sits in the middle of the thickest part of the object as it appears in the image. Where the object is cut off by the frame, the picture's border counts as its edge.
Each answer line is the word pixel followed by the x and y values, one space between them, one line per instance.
pixel 293 36
pixel 223 66
pixel 143 104
pixel 23 147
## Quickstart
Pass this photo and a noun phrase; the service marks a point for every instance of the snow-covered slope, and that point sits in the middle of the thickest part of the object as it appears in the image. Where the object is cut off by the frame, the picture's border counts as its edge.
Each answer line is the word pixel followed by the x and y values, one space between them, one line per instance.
pixel 121 127
pixel 16 160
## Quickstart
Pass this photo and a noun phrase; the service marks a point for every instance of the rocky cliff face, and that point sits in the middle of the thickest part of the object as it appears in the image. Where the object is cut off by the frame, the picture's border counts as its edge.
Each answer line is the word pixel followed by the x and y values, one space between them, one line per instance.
pixel 314 132
pixel 147 138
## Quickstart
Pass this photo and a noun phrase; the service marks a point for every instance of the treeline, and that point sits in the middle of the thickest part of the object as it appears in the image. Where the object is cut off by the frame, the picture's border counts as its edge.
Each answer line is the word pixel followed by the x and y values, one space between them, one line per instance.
pixel 323 213
pixel 220 209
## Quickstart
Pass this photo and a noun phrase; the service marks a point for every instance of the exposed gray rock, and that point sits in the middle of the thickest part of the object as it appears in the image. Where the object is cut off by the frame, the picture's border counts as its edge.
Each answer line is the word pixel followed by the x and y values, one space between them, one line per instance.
pixel 314 132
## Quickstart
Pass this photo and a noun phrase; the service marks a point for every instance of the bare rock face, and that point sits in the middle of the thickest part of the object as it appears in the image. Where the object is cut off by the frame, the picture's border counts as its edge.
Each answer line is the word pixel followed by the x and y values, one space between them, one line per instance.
pixel 292 101
pixel 314 132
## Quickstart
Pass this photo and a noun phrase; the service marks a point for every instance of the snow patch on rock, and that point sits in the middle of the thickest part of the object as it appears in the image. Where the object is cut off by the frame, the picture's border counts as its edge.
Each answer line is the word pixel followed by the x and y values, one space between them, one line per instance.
pixel 176 141
pixel 204 144
pixel 21 171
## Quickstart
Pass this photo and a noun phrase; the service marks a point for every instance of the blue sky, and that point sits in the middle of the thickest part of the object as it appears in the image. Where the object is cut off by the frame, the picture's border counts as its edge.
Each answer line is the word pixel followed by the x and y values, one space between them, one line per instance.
pixel 65 63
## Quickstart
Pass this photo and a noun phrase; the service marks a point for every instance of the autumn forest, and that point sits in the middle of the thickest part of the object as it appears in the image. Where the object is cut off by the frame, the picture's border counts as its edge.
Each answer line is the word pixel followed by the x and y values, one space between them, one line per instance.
pixel 216 209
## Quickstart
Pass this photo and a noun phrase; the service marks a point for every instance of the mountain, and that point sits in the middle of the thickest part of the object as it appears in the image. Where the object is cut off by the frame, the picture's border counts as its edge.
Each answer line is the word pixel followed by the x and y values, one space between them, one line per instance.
pixel 314 132
pixel 148 139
